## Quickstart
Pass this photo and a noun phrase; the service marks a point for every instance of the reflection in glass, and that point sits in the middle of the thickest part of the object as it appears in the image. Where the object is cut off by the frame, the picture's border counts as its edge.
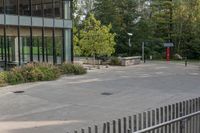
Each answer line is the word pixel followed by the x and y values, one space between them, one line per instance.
pixel 48 42
pixel 48 8
pixel 11 7
pixel 1 45
pixel 37 8
pixel 25 44
pixel 37 44
pixel 1 6
pixel 59 45
pixel 24 7
pixel 12 44
pixel 58 9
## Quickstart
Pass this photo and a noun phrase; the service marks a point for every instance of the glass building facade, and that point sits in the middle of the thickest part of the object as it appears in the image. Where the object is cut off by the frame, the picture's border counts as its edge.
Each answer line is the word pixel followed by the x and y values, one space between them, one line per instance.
pixel 35 31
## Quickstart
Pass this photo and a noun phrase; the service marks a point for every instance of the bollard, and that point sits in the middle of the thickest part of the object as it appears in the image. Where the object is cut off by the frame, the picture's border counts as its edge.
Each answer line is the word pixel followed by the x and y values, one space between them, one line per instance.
pixel 186 63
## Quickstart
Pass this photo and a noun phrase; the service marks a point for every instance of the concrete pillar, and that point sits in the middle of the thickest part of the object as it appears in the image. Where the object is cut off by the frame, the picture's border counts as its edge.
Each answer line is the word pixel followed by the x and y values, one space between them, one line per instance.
pixel 67 33
pixel 15 50
pixel 67 41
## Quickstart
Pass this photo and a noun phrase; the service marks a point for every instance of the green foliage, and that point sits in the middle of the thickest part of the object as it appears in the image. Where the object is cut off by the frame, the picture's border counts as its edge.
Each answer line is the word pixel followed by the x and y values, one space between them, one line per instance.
pixel 79 70
pixel 160 21
pixel 38 72
pixel 115 61
pixel 77 49
pixel 96 39
pixel 15 76
pixel 68 68
pixel 3 79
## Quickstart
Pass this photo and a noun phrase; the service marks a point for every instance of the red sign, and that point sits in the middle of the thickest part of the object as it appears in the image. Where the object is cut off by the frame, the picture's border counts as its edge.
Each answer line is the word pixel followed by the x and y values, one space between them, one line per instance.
pixel 168 54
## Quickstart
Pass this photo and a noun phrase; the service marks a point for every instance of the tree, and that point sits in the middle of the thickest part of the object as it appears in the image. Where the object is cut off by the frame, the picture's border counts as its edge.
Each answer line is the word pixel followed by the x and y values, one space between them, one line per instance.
pixel 77 49
pixel 96 39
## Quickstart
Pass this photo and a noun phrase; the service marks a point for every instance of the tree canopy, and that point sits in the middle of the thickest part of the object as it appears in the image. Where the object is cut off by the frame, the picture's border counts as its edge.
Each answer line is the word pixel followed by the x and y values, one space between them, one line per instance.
pixel 95 39
pixel 153 22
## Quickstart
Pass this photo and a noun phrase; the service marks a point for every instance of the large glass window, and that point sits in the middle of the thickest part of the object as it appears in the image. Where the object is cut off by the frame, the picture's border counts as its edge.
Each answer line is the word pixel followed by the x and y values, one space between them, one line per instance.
pixel 58 9
pixel 37 44
pixel 11 6
pixel 25 44
pixel 37 8
pixel 48 8
pixel 12 44
pixel 24 7
pixel 1 44
pixel 59 45
pixel 48 42
pixel 1 6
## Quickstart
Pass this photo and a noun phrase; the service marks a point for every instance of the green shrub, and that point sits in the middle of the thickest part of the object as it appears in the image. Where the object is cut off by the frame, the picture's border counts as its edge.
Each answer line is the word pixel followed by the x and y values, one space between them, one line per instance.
pixel 3 78
pixel 79 70
pixel 50 72
pixel 15 76
pixel 38 72
pixel 68 68
pixel 115 61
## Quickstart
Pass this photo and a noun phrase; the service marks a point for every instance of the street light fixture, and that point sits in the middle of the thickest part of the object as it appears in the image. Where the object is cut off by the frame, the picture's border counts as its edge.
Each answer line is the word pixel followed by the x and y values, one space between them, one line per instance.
pixel 129 40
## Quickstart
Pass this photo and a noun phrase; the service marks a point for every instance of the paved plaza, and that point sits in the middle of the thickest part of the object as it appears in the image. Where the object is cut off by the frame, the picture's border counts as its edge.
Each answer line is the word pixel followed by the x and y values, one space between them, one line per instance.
pixel 74 102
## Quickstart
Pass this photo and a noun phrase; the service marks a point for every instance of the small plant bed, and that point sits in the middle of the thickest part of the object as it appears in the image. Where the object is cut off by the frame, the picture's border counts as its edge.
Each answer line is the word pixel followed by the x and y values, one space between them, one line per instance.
pixel 38 72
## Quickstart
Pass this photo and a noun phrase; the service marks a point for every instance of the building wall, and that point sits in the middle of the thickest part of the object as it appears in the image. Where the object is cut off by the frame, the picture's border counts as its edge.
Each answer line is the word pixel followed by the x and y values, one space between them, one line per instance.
pixel 35 30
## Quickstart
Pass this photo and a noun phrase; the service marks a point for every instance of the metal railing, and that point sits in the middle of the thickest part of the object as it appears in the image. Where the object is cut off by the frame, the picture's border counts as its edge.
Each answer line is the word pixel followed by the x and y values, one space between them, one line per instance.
pixel 181 117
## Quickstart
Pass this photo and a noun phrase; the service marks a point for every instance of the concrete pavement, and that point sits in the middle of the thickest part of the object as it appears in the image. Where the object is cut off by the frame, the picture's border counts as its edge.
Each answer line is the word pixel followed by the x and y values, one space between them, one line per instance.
pixel 74 102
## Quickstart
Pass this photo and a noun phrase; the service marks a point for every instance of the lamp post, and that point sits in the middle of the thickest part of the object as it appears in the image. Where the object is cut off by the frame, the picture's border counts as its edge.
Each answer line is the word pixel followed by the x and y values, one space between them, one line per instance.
pixel 143 58
pixel 129 41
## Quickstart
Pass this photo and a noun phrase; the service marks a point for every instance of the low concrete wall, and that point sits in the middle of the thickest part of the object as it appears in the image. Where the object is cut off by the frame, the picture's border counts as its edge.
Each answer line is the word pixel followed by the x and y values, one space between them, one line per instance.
pixel 128 61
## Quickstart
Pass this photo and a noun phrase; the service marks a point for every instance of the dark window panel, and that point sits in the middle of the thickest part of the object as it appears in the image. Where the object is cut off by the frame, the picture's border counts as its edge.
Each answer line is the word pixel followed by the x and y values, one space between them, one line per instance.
pixel 37 8
pixel 1 7
pixel 11 7
pixel 24 7
pixel 48 8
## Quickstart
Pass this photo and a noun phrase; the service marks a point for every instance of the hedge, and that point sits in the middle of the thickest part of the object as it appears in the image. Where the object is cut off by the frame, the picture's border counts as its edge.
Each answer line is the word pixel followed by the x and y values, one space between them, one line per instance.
pixel 38 72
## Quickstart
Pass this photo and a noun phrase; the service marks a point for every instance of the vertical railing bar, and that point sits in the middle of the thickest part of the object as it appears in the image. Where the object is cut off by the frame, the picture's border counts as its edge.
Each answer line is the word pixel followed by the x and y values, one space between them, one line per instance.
pixel 89 130
pixel 144 120
pixel 165 118
pixel 196 107
pixel 190 111
pixel 198 116
pixel 149 119
pixel 187 121
pixel 108 127
pixel 177 115
pixel 194 118
pixel 161 119
pixel 96 129
pixel 130 124
pixel 153 116
pixel 183 114
pixel 173 117
pixel 139 121
pixel 135 123
pixel 169 117
pixel 125 126
pixel 119 126
pixel 82 130
pixel 104 128
pixel 114 126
